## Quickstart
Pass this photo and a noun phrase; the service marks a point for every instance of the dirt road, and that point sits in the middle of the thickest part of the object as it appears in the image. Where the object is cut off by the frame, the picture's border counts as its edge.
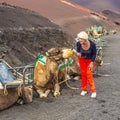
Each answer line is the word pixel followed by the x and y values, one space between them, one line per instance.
pixel 70 105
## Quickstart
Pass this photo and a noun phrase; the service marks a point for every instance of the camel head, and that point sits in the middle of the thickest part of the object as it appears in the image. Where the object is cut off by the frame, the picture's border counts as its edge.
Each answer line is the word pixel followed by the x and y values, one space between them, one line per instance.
pixel 73 69
pixel 55 55
pixel 69 53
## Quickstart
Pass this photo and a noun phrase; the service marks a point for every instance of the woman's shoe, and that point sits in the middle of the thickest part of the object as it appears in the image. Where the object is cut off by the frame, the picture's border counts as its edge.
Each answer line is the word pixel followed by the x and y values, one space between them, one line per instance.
pixel 93 95
pixel 83 93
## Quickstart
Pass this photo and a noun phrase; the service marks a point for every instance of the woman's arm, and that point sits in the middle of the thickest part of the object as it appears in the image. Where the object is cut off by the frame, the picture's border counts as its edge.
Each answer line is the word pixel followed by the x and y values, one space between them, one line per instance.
pixel 94 50
pixel 78 46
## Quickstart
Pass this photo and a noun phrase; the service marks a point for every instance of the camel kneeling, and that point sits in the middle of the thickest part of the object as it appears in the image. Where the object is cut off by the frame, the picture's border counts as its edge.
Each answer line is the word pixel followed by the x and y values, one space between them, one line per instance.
pixel 12 88
pixel 46 75
pixel 13 96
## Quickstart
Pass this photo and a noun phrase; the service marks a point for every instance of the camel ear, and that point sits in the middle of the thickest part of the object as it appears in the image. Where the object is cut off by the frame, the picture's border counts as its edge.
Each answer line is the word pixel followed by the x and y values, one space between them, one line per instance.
pixel 47 54
pixel 74 51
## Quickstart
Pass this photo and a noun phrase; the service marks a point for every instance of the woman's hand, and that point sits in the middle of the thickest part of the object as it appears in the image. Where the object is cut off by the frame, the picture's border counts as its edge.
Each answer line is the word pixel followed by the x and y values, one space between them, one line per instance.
pixel 78 54
pixel 90 66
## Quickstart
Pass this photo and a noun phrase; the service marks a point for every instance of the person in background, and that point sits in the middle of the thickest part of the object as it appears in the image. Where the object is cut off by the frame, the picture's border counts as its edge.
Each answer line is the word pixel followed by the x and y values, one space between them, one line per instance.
pixel 86 52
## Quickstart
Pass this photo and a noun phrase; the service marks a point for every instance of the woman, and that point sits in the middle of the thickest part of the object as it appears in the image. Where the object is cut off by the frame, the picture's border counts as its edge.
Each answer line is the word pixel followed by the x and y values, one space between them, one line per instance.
pixel 86 51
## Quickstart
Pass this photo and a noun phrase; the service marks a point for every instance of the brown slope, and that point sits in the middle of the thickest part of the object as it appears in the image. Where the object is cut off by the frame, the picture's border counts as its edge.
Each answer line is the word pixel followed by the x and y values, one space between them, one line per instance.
pixel 12 16
pixel 71 19
pixel 55 10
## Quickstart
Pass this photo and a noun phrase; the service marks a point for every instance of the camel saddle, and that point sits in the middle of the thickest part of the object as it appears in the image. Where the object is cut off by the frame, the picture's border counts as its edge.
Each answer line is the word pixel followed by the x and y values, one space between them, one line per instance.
pixel 42 59
pixel 7 78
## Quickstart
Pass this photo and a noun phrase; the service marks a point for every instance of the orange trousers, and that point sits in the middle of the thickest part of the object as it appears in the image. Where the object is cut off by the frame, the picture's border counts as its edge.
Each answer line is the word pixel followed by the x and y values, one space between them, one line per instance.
pixel 87 76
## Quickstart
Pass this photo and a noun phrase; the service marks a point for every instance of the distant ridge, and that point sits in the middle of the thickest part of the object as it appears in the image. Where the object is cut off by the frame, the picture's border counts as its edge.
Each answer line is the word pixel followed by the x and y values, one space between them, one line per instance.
pixel 81 8
pixel 115 17
pixel 99 5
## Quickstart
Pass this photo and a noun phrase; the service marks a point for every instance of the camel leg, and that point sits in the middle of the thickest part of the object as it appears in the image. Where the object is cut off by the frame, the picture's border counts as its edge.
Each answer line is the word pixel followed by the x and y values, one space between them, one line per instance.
pixel 57 90
pixel 56 86
pixel 42 93
pixel 47 92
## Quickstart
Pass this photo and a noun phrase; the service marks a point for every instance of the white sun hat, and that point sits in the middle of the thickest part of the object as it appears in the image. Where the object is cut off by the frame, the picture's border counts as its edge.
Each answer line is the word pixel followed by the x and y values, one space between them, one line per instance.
pixel 82 35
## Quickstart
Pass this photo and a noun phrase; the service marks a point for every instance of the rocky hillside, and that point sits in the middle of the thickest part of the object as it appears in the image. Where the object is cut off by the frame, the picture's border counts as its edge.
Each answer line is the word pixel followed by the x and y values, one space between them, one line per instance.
pixel 24 33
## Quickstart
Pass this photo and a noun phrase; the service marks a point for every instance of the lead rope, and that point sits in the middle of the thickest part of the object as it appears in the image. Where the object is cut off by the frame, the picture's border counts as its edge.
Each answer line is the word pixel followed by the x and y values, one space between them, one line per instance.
pixel 20 90
pixel 5 90
pixel 67 76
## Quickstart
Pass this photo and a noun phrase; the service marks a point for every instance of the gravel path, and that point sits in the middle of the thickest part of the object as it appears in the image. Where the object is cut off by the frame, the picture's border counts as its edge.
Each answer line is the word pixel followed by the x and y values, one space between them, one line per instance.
pixel 70 105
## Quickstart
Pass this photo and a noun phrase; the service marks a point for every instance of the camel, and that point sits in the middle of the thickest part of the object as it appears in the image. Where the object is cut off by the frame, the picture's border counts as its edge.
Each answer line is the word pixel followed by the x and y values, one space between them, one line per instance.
pixel 46 75
pixel 13 97
pixel 74 69
pixel 14 91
